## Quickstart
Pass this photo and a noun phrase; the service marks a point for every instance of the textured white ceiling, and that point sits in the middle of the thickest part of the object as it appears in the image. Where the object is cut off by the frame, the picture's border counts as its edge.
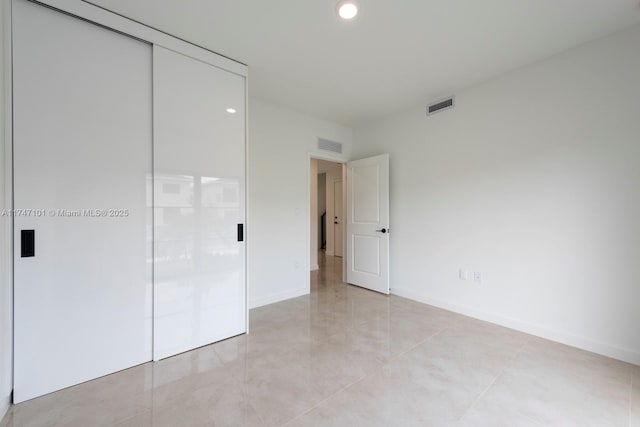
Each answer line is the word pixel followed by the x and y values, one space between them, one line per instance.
pixel 396 54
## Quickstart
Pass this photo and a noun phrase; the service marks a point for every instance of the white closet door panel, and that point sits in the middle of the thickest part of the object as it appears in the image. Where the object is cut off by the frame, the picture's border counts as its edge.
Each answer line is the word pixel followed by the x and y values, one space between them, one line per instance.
pixel 199 198
pixel 82 141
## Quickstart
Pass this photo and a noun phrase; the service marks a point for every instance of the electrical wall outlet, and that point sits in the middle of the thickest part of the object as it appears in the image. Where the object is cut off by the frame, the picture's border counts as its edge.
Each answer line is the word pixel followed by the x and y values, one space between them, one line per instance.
pixel 463 274
pixel 477 276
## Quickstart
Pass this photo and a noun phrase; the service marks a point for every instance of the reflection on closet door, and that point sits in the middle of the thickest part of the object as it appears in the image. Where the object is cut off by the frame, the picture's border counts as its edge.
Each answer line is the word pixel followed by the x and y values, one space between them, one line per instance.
pixel 199 200
pixel 82 159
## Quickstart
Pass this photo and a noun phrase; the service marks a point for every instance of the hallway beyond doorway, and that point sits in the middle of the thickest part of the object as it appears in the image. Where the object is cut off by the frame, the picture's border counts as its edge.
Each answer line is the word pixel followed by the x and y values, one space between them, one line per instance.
pixel 329 274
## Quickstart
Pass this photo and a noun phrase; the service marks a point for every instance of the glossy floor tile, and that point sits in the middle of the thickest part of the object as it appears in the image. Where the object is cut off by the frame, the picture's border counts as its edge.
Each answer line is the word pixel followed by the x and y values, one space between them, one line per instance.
pixel 345 356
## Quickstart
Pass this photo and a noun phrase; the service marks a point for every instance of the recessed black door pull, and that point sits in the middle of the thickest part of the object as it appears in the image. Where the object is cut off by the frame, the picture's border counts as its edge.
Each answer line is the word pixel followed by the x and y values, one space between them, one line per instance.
pixel 27 243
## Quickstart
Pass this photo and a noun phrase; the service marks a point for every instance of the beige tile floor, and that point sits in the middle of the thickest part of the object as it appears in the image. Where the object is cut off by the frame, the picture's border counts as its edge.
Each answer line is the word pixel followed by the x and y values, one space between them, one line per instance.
pixel 344 356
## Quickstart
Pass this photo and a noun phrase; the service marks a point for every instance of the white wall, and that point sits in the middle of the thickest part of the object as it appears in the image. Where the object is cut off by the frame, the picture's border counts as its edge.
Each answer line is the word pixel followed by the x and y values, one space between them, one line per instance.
pixel 280 144
pixel 6 296
pixel 533 180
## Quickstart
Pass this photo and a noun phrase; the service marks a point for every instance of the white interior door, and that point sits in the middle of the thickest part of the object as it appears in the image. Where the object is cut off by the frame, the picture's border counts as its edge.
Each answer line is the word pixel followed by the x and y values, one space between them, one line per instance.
pixel 338 223
pixel 199 199
pixel 368 223
pixel 82 164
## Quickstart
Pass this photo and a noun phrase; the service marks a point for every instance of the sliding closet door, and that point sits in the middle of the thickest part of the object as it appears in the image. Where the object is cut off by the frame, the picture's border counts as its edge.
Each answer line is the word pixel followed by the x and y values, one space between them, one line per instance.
pixel 199 200
pixel 82 177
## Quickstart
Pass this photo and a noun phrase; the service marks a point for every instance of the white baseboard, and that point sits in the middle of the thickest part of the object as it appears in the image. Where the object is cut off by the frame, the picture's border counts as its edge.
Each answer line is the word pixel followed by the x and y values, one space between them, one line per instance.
pixel 5 403
pixel 315 267
pixel 583 343
pixel 270 299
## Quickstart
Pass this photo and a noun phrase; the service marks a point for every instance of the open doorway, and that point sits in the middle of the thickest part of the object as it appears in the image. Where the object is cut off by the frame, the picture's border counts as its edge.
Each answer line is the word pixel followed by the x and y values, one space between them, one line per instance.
pixel 327 225
pixel 355 246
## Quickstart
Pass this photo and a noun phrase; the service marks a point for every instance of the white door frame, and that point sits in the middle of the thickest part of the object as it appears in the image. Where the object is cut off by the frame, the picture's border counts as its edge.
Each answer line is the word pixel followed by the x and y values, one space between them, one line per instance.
pixel 329 158
pixel 6 233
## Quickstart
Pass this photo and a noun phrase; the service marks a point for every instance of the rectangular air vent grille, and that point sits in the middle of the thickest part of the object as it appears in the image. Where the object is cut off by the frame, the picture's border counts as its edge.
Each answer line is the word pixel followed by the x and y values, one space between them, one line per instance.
pixel 441 105
pixel 327 145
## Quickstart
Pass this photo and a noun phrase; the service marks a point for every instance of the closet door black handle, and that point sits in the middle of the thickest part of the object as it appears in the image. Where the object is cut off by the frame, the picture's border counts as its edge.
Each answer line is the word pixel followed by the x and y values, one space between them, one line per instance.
pixel 27 243
pixel 240 232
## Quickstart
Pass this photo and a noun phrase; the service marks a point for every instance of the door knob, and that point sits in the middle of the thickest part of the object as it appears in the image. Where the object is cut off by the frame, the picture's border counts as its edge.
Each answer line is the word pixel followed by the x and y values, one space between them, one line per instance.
pixel 382 230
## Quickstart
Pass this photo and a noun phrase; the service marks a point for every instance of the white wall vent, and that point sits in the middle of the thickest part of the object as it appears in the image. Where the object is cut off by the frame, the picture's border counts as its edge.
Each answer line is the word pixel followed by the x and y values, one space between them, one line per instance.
pixel 327 145
pixel 442 105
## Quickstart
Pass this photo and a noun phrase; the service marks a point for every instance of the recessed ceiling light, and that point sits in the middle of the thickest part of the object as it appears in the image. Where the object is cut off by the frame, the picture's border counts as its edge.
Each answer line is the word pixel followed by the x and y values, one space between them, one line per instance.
pixel 231 110
pixel 347 9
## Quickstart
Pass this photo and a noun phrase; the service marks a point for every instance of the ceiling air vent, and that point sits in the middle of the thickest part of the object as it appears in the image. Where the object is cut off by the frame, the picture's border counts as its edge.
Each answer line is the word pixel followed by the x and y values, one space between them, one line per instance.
pixel 327 145
pixel 443 104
